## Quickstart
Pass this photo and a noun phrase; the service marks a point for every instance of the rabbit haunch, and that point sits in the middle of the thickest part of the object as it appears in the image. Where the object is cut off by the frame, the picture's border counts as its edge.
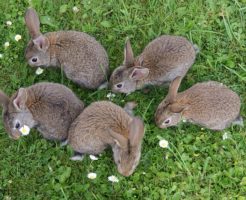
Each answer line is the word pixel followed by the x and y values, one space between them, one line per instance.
pixel 82 58
pixel 209 104
pixel 161 61
pixel 48 107
pixel 104 124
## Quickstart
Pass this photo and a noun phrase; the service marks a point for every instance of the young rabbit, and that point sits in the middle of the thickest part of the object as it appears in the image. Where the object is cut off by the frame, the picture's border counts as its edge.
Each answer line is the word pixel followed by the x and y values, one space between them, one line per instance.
pixel 104 124
pixel 209 104
pixel 82 58
pixel 48 107
pixel 162 60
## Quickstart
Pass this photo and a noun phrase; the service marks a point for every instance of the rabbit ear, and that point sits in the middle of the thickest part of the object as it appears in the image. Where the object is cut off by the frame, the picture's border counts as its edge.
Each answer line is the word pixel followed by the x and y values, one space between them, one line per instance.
pixel 139 73
pixel 20 100
pixel 120 140
pixel 176 108
pixel 136 132
pixel 32 23
pixel 4 99
pixel 41 43
pixel 128 55
pixel 173 89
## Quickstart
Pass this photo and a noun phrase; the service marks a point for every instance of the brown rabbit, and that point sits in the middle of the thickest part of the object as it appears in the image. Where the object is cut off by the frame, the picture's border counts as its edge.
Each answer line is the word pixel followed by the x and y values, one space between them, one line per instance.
pixel 82 58
pixel 162 60
pixel 48 107
pixel 104 124
pixel 209 104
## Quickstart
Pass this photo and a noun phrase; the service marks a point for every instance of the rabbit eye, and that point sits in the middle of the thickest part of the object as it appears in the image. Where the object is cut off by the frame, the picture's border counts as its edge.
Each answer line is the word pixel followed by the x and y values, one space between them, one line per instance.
pixel 167 121
pixel 119 85
pixel 34 60
pixel 17 125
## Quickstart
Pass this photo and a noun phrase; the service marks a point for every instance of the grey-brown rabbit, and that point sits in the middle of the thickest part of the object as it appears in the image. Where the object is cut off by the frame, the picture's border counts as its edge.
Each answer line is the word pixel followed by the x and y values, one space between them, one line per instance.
pixel 48 107
pixel 82 58
pixel 162 60
pixel 209 104
pixel 104 124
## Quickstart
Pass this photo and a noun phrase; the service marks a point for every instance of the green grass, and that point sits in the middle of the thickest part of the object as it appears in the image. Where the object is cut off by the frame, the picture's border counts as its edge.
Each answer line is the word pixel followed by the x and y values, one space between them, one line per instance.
pixel 200 164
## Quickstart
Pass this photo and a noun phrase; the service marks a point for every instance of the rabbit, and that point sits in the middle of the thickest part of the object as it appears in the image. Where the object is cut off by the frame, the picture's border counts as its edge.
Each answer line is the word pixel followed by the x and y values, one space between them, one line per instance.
pixel 82 58
pixel 48 107
pixel 162 60
pixel 209 104
pixel 104 124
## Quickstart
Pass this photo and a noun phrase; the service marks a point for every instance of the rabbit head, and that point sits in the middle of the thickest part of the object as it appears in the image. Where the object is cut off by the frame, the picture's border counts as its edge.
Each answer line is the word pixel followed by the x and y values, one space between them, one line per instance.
pixel 124 78
pixel 15 113
pixel 127 151
pixel 37 51
pixel 169 112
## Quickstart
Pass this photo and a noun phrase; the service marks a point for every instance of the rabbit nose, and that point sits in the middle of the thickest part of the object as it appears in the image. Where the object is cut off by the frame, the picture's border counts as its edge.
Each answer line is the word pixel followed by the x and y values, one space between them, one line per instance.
pixel 34 60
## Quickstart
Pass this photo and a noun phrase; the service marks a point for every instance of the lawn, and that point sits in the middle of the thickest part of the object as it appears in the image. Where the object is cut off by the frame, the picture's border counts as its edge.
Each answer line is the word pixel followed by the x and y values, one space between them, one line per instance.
pixel 198 164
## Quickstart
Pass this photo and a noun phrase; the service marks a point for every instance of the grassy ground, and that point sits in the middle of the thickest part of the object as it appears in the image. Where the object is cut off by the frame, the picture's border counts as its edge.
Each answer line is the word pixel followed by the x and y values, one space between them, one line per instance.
pixel 198 165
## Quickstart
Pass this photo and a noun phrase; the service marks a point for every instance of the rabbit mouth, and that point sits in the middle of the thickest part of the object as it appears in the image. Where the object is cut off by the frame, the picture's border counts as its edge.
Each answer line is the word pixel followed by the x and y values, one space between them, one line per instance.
pixel 15 136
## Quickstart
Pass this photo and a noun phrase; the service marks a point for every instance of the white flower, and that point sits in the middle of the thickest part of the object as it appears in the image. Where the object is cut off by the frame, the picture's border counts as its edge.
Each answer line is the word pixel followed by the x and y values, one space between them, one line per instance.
pixel 202 129
pixel 39 71
pixel 110 96
pixel 113 179
pixel 17 37
pixel 25 130
pixel 6 44
pixel 10 181
pixel 1 55
pixel 143 173
pixel 9 23
pixel 225 136
pixel 184 120
pixel 163 143
pixel 92 175
pixel 92 157
pixel 7 197
pixel 75 9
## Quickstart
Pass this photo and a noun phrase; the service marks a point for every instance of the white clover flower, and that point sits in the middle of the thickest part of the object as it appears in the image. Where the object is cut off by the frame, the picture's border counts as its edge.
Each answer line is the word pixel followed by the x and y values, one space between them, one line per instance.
pixel 113 179
pixel 92 157
pixel 39 71
pixel 75 9
pixel 143 173
pixel 7 197
pixel 184 120
pixel 91 175
pixel 18 37
pixel 225 136
pixel 163 143
pixel 202 129
pixel 10 181
pixel 110 96
pixel 9 23
pixel 25 130
pixel 1 55
pixel 6 44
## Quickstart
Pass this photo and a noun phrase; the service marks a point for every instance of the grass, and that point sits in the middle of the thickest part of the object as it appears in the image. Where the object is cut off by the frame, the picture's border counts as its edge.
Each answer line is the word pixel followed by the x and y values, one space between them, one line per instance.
pixel 198 165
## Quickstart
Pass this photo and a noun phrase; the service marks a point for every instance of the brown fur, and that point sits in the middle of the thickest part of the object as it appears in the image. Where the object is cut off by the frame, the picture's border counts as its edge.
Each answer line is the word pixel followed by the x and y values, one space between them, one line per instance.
pixel 104 124
pixel 82 58
pixel 165 58
pixel 49 107
pixel 209 104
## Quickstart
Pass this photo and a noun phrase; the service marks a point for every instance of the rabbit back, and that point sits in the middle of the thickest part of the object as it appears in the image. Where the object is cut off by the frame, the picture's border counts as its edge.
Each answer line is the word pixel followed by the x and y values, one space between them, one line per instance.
pixel 89 132
pixel 83 59
pixel 54 107
pixel 167 57
pixel 210 104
